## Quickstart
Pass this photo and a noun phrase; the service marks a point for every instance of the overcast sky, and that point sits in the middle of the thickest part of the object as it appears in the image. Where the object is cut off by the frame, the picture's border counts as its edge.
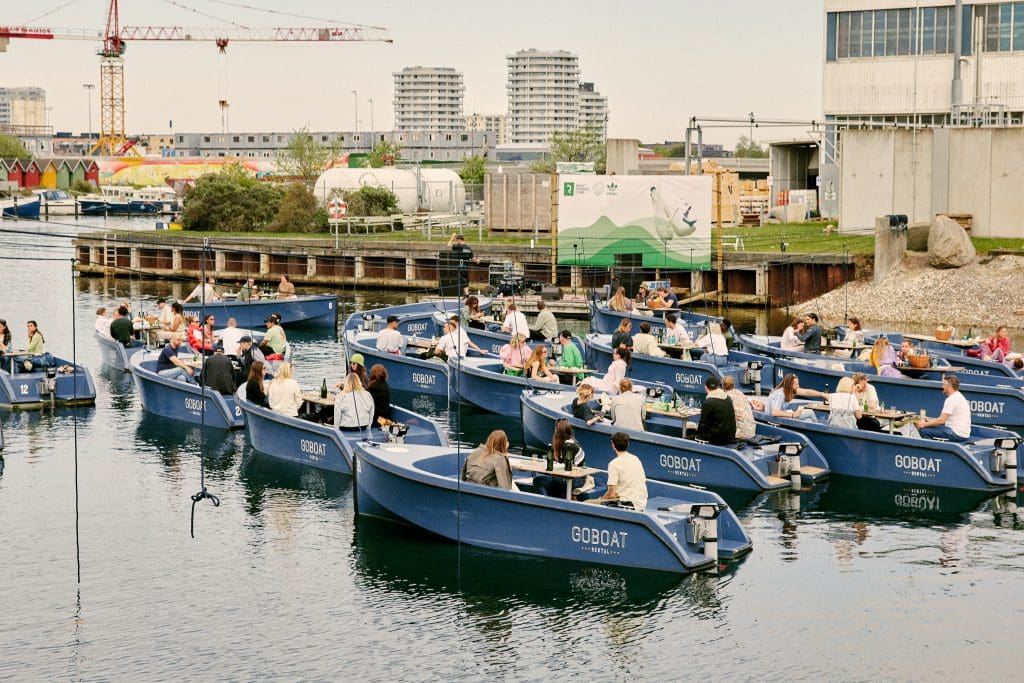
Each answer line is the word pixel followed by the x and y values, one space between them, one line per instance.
pixel 658 61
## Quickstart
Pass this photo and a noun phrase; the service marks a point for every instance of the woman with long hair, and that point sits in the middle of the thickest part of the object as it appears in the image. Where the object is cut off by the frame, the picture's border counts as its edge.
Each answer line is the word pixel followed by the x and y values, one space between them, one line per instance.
pixel 620 302
pixel 778 403
pixel 254 390
pixel 381 392
pixel 581 408
pixel 488 464
pixel 5 337
pixel 616 371
pixel 790 341
pixel 623 336
pixel 844 408
pixel 884 358
pixel 472 316
pixel 284 394
pixel 514 355
pixel 537 366
pixel 563 447
pixel 353 407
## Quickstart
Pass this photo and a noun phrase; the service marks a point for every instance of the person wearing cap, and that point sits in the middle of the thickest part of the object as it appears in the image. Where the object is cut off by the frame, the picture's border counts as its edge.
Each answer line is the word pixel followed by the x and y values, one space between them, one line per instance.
pixel 356 366
pixel 463 254
pixel 248 354
pixel 390 340
pixel 274 341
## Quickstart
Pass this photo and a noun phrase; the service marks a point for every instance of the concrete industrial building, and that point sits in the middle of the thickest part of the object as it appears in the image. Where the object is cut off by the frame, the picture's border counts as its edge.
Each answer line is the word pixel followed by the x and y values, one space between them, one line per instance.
pixel 23 110
pixel 428 98
pixel 495 124
pixel 923 110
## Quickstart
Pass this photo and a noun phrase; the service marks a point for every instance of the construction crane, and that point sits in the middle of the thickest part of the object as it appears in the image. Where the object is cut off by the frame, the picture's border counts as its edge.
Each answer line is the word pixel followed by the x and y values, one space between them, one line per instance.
pixel 113 140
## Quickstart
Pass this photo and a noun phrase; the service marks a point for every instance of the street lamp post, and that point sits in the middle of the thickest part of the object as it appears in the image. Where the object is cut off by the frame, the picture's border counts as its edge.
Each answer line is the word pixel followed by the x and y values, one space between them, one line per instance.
pixel 89 87
pixel 355 97
pixel 371 123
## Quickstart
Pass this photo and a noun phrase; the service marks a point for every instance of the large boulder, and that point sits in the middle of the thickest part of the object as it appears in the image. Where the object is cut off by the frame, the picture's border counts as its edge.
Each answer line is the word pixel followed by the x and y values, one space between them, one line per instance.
pixel 948 244
pixel 917 236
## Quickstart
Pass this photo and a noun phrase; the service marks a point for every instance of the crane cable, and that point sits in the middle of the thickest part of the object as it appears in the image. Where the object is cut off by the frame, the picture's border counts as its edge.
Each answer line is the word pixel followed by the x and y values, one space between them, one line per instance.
pixel 205 14
pixel 49 12
pixel 288 14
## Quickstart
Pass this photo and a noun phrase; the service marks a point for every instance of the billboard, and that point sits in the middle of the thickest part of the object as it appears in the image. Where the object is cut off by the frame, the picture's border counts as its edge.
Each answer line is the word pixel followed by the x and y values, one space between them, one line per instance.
pixel 665 219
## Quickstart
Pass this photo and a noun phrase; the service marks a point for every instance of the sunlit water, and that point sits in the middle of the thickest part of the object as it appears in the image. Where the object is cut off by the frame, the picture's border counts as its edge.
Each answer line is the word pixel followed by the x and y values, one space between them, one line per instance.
pixel 854 581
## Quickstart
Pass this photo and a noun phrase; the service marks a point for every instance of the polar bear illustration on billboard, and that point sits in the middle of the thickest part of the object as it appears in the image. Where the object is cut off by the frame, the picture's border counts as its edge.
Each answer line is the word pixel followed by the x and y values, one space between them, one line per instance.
pixel 675 219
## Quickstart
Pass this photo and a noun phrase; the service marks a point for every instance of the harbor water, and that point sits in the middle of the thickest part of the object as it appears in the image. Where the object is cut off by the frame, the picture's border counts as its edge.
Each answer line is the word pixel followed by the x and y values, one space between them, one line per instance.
pixel 851 580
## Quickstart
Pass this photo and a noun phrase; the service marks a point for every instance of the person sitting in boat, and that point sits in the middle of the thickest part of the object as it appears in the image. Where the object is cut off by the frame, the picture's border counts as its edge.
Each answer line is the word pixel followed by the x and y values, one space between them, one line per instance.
pixel 248 291
pixel 102 323
pixel 884 359
pixel 455 343
pixel 623 334
pixel 571 356
pixel 230 337
pixel 164 314
pixel 781 397
pixel 564 447
pixel 545 326
pixel 5 338
pixel 515 322
pixel 616 371
pixel 285 288
pixel 381 391
pixel 248 353
pixel 169 365
pixel 906 351
pixel 488 464
pixel 283 394
pixel 353 407
pixel 844 408
pixel 716 348
pixel 122 330
pixel 620 302
pixel 791 336
pixel 717 416
pixel 537 366
pixel 357 367
pixel 583 405
pixel 854 331
pixel 390 340
pixel 274 341
pixel 628 408
pixel 254 387
pixel 645 343
pixel 667 298
pixel 676 334
pixel 219 373
pixel 811 334
pixel 204 292
pixel 743 409
pixel 209 341
pixel 514 355
pixel 867 397
pixel 472 316
pixel 38 358
pixel 643 295
pixel 177 322
pixel 954 422
pixel 627 481
pixel 730 338
pixel 995 348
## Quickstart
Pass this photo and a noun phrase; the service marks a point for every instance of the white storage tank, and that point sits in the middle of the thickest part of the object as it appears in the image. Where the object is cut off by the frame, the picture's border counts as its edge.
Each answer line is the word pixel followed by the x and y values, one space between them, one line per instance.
pixel 399 180
pixel 441 189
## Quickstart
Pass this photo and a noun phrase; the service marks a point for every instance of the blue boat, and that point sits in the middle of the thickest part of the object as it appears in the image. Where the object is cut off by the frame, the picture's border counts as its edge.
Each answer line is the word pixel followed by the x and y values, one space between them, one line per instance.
pixel 985 463
pixel 62 384
pixel 406 372
pixel 990 405
pixel 750 372
pixel 493 339
pixel 669 457
pixel 20 207
pixel 415 318
pixel 182 400
pixel 323 446
pixel 682 530
pixel 309 310
pixel 114 353
pixel 954 355
pixel 605 321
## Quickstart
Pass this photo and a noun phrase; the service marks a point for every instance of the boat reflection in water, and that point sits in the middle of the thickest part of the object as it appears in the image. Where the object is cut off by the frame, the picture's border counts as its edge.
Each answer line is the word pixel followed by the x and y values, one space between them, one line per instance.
pixel 264 476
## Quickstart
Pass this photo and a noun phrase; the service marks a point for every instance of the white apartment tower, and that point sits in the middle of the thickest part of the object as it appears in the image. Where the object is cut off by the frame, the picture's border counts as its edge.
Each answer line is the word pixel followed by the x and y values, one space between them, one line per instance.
pixel 543 95
pixel 593 109
pixel 494 124
pixel 428 98
pixel 22 107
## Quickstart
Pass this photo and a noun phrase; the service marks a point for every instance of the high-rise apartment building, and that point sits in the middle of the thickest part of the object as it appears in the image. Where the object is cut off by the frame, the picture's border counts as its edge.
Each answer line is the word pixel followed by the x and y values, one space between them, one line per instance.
pixel 22 108
pixel 543 95
pixel 428 98
pixel 593 109
pixel 495 124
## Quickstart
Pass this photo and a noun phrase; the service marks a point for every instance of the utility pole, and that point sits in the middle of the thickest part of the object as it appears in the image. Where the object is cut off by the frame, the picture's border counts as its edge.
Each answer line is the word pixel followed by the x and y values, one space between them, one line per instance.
pixel 371 124
pixel 355 97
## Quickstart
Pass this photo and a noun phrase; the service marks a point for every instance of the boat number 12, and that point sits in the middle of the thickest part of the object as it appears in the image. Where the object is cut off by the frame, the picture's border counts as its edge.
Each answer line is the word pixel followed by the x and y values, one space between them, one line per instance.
pixel 24 390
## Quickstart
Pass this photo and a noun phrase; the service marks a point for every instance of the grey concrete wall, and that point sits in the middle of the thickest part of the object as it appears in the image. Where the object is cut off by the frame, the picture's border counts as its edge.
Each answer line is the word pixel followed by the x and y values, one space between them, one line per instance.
pixel 912 172
pixel 1007 197
pixel 890 247
pixel 623 156
pixel 866 173
pixel 970 180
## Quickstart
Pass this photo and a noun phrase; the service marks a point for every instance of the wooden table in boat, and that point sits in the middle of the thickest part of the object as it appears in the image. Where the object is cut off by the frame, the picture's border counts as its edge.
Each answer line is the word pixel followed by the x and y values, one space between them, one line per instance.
pixel 573 373
pixel 314 398
pixel 684 346
pixel 684 415
pixel 889 416
pixel 962 343
pixel 842 345
pixel 917 373
pixel 540 467
pixel 421 343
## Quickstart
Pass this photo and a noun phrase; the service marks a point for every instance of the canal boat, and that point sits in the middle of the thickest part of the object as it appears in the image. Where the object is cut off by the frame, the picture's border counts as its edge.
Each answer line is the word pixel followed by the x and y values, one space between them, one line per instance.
pixel 308 310
pixel 606 321
pixel 114 354
pixel 954 354
pixel 777 458
pixel 406 371
pixel 155 200
pixel 414 319
pixel 987 462
pixel 20 207
pixel 57 203
pixel 182 401
pixel 681 530
pixel 112 199
pixel 999 406
pixel 61 384
pixel 310 443
pixel 749 371
pixel 482 382
pixel 492 339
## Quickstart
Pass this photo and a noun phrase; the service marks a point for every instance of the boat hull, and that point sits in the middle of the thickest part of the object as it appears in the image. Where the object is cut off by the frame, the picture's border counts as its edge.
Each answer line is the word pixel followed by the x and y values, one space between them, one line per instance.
pixel 181 400
pixel 604 321
pixel 481 383
pixel 20 209
pixel 24 390
pixel 405 373
pixel 319 310
pixel 114 354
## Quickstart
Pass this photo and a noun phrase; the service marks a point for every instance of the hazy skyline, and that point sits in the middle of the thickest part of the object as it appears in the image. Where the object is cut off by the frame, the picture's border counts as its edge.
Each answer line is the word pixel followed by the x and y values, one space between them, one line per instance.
pixel 658 62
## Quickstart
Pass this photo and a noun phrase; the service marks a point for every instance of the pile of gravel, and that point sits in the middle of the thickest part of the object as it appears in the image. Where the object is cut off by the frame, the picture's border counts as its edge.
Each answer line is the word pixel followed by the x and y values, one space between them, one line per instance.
pixel 979 295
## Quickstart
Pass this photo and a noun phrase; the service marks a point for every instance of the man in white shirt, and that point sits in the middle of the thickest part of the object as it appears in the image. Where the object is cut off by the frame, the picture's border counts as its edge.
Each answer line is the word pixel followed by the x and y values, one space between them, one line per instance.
pixel 515 321
pixel 545 327
pixel 102 324
pixel 455 342
pixel 230 336
pixel 166 314
pixel 202 291
pixel 954 423
pixel 645 342
pixel 627 481
pixel 390 340
pixel 674 332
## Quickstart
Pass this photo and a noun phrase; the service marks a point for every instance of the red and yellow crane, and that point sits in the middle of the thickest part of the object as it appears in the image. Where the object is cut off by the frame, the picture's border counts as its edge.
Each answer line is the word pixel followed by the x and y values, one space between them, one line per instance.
pixel 113 141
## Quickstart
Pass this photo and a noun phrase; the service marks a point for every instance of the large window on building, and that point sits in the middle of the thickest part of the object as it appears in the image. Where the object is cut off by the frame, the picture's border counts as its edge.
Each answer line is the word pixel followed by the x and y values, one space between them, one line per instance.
pixel 1003 26
pixel 911 31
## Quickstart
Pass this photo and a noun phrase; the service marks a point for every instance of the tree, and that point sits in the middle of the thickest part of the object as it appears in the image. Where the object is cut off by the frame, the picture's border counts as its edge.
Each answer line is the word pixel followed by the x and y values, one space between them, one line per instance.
pixel 384 154
pixel 473 170
pixel 305 158
pixel 750 149
pixel 231 200
pixel 297 212
pixel 582 144
pixel 371 201
pixel 11 148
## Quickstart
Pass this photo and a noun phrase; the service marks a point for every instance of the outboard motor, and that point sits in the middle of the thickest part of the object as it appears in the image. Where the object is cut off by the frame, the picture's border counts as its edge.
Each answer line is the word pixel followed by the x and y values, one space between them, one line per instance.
pixel 371 322
pixel 1004 459
pixel 789 463
pixel 702 527
pixel 752 375
pixel 556 350
pixel 396 432
pixel 654 393
pixel 48 384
